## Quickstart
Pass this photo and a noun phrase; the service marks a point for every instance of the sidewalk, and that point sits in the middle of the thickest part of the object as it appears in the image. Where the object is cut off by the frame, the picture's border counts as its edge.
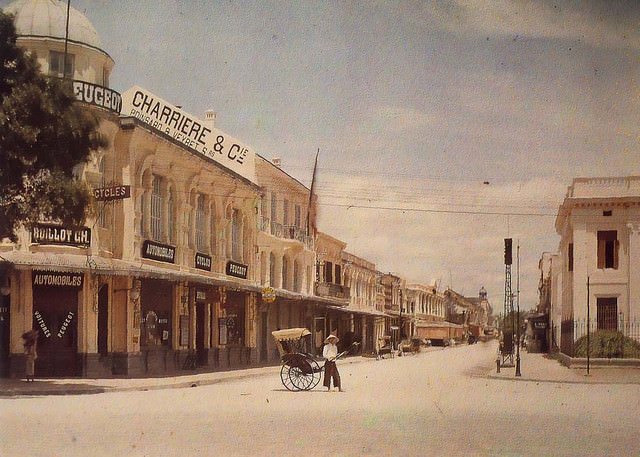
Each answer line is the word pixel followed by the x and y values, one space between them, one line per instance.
pixel 543 368
pixel 84 386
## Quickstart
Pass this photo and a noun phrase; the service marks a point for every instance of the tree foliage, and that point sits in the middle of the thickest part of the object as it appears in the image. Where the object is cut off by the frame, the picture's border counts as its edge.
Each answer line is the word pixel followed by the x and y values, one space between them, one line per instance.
pixel 44 135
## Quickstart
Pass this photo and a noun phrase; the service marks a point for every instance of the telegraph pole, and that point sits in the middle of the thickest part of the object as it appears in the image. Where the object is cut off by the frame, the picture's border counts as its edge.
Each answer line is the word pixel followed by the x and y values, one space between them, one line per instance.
pixel 518 304
pixel 588 333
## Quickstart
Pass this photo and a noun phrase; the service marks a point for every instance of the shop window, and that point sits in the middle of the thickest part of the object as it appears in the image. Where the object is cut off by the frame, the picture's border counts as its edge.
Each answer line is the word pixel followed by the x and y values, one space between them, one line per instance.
pixel 201 244
pixel 570 257
pixel 56 66
pixel 156 314
pixel 231 326
pixel 608 249
pixel 156 208
pixel 607 313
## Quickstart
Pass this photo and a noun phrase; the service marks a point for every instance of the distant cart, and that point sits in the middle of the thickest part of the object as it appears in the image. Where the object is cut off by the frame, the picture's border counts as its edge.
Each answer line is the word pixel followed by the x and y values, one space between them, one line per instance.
pixel 300 370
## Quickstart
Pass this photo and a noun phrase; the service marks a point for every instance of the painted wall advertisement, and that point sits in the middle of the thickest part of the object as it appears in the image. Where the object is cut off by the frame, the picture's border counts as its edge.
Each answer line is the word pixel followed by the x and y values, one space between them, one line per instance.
pixel 190 131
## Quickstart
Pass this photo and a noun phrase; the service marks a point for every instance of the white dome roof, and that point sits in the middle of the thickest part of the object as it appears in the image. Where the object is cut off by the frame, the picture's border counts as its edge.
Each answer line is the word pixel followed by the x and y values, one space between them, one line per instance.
pixel 48 18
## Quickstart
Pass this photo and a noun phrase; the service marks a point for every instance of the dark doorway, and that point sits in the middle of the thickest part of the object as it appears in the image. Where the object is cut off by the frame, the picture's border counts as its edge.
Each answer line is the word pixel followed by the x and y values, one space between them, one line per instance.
pixel 103 320
pixel 5 337
pixel 55 314
pixel 201 351
pixel 264 323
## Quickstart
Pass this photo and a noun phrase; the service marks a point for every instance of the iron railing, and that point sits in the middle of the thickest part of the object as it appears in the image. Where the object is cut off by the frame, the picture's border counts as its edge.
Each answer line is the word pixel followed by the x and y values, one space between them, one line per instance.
pixel 572 330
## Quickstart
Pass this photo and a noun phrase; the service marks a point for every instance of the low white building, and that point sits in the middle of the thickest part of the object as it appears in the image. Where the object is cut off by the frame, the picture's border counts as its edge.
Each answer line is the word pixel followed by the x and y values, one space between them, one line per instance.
pixel 599 226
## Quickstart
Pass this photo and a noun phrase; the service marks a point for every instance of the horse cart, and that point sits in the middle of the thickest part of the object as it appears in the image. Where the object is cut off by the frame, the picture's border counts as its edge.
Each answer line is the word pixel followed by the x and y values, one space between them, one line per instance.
pixel 300 370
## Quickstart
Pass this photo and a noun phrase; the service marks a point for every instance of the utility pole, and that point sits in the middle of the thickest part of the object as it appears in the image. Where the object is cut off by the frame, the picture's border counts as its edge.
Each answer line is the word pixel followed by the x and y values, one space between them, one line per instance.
pixel 588 325
pixel 518 304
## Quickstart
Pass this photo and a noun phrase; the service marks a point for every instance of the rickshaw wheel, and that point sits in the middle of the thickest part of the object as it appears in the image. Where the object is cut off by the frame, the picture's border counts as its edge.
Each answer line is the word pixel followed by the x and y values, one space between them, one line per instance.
pixel 317 373
pixel 301 375
pixel 286 378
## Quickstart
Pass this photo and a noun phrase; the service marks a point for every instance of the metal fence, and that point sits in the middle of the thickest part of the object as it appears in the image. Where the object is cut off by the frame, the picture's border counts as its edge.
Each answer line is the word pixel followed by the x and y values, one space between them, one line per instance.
pixel 572 330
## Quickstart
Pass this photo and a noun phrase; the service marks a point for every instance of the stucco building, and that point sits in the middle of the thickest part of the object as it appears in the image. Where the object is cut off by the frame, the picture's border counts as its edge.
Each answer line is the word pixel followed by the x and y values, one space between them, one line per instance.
pixel 599 227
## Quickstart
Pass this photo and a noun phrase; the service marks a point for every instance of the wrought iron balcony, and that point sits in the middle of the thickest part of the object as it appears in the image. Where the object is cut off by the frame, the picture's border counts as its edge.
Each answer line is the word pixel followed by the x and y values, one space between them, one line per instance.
pixel 327 289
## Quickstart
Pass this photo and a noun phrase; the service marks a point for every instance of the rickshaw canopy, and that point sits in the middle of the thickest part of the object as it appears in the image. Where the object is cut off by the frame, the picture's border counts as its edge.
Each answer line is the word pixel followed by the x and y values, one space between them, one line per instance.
pixel 290 334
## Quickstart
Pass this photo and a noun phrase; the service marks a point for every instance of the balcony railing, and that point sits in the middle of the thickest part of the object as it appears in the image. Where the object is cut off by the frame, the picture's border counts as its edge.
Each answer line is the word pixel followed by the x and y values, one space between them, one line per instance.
pixel 290 232
pixel 327 289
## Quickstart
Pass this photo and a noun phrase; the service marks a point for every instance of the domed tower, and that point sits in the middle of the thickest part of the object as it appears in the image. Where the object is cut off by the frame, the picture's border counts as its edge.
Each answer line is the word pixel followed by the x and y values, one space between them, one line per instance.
pixel 41 28
pixel 483 293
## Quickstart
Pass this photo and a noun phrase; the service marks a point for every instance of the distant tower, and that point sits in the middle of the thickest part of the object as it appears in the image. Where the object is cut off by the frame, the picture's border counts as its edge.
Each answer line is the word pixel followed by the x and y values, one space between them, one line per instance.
pixel 482 294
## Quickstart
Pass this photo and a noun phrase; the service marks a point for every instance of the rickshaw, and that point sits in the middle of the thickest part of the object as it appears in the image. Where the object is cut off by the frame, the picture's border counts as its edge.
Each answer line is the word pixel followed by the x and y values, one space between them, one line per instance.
pixel 300 370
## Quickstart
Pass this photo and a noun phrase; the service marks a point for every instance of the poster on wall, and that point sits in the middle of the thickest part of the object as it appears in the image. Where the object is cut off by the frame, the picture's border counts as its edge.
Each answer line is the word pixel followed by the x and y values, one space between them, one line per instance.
pixel 222 331
pixel 184 330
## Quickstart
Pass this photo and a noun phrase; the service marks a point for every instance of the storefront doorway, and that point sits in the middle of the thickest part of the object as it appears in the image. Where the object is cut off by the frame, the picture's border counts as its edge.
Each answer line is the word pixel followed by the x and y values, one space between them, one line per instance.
pixel 5 326
pixel 55 314
pixel 201 350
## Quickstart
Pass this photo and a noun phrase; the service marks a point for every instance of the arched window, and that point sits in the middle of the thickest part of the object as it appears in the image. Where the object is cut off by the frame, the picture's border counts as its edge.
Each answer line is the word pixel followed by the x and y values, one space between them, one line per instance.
pixel 156 208
pixel 142 213
pixel 201 222
pixel 285 273
pixel 102 208
pixel 171 216
pixel 214 234
pixel 296 276
pixel 272 270
pixel 236 236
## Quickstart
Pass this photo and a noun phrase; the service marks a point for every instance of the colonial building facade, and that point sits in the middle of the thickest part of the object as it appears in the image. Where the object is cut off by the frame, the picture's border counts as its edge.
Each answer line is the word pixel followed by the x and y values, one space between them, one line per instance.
pixel 193 258
pixel 599 227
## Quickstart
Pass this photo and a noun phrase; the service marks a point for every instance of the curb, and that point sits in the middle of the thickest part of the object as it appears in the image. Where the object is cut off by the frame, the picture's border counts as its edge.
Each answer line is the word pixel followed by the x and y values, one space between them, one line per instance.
pixel 218 378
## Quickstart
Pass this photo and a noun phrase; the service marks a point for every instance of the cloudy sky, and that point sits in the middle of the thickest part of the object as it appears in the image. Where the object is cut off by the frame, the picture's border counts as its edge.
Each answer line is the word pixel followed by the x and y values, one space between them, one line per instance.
pixel 443 126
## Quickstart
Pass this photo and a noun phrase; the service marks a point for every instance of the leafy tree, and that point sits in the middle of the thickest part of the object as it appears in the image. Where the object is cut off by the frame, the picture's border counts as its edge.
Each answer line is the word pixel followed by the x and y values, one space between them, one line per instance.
pixel 44 135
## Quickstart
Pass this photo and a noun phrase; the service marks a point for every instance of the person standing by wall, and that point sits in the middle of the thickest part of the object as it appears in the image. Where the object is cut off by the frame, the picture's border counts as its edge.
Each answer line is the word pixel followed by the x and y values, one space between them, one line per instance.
pixel 330 353
pixel 30 342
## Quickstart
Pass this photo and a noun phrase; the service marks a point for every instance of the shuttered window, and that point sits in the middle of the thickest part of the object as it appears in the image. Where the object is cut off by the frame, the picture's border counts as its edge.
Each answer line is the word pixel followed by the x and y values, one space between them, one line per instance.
pixel 608 246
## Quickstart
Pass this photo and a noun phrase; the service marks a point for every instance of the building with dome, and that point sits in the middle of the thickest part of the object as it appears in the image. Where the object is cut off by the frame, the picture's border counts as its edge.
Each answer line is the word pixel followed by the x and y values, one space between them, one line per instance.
pixel 41 27
pixel 168 276
pixel 192 228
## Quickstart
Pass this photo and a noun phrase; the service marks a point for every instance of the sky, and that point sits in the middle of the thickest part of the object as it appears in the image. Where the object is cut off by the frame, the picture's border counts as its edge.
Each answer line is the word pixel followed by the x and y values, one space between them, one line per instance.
pixel 443 127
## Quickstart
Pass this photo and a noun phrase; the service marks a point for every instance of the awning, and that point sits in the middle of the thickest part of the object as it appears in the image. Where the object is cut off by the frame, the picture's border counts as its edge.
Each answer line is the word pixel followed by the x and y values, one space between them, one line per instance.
pixel 115 267
pixel 438 325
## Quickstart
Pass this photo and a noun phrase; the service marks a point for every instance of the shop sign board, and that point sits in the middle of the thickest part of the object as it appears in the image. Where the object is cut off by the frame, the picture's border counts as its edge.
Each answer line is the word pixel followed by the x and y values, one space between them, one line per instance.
pixel 94 94
pixel 236 270
pixel 268 294
pixel 57 279
pixel 160 252
pixel 188 130
pixel 56 234
pixel 201 295
pixel 203 261
pixel 104 194
pixel 540 325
